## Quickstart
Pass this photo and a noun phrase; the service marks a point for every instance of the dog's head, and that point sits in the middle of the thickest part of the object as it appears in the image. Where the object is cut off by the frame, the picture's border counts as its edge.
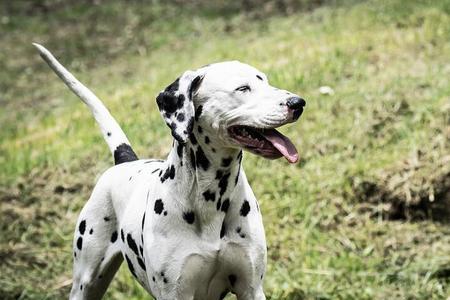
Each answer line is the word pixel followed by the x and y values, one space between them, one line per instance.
pixel 235 105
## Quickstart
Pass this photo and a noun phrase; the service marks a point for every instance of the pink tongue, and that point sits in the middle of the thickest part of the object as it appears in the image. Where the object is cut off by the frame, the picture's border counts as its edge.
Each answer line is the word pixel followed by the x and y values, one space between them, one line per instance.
pixel 283 144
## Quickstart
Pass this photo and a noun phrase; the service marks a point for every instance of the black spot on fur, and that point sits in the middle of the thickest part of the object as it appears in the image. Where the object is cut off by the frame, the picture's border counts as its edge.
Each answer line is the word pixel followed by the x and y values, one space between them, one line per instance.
pixel 189 217
pixel 177 136
pixel 114 237
pixel 225 205
pixel 122 236
pixel 141 263
pixel 180 117
pixel 132 244
pixel 82 227
pixel 219 174
pixel 223 230
pixel 180 150
pixel 213 150
pixel 245 208
pixel 169 173
pixel 80 243
pixel 108 133
pixel 259 77
pixel 167 101
pixel 232 278
pixel 223 183
pixel 153 160
pixel 124 153
pixel 193 139
pixel 200 129
pixel 238 229
pixel 207 140
pixel 168 104
pixel 153 278
pixel 130 265
pixel 155 170
pixel 75 254
pixel 91 231
pixel 106 219
pixel 173 87
pixel 81 287
pixel 219 203
pixel 239 168
pixel 202 161
pixel 143 222
pixel 195 84
pixel 141 250
pixel 226 161
pixel 159 206
pixel 130 178
pixel 198 112
pixel 165 213
pixel 209 196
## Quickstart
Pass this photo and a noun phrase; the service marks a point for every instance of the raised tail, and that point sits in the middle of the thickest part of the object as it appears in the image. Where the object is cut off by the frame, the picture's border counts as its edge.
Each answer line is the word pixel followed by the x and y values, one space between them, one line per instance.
pixel 112 133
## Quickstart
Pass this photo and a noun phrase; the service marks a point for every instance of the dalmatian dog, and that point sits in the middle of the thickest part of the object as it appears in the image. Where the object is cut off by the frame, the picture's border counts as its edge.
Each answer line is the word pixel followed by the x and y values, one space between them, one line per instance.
pixel 188 227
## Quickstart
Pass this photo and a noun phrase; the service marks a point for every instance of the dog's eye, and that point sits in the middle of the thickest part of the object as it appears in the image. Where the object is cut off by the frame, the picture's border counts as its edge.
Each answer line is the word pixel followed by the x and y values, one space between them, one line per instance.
pixel 244 88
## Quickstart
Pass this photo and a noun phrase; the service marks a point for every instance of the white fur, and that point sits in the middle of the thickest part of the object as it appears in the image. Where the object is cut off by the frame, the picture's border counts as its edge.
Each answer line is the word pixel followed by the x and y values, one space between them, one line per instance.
pixel 182 261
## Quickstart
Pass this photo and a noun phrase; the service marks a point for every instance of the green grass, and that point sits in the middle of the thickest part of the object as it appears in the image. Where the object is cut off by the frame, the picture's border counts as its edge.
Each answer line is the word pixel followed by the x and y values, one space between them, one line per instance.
pixel 387 62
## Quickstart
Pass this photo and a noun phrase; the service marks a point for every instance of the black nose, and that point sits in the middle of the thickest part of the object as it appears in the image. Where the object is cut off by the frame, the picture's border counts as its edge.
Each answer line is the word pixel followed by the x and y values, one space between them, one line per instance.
pixel 295 103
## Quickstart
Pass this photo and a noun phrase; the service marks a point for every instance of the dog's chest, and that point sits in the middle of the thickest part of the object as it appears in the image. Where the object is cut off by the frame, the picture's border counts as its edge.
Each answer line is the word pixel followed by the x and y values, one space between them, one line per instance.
pixel 200 267
pixel 203 248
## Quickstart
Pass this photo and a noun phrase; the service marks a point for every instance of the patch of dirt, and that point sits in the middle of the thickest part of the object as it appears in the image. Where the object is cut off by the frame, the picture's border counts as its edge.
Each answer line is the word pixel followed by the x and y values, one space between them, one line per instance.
pixel 37 217
pixel 40 196
pixel 417 189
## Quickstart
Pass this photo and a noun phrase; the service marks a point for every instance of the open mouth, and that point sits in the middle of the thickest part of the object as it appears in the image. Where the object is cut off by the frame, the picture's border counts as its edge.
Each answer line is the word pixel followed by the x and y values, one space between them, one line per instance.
pixel 267 142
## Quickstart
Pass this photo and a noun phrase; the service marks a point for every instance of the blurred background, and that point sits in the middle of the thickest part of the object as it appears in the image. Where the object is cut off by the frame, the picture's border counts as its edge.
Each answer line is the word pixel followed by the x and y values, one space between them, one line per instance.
pixel 364 215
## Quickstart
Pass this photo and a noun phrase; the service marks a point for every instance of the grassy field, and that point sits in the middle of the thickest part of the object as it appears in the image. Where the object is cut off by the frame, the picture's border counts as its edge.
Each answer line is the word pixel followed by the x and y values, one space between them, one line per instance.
pixel 364 215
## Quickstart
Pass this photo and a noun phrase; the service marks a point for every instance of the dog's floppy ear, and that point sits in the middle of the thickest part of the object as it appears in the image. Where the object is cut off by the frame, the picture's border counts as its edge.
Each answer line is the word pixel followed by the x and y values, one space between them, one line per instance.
pixel 176 104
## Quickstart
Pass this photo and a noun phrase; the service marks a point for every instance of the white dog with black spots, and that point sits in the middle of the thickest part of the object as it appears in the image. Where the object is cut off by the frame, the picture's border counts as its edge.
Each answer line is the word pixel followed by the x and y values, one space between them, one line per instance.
pixel 188 227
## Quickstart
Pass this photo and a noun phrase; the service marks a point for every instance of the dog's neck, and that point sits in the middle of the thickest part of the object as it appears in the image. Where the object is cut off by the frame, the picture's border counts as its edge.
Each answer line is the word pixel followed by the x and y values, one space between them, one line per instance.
pixel 206 173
